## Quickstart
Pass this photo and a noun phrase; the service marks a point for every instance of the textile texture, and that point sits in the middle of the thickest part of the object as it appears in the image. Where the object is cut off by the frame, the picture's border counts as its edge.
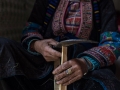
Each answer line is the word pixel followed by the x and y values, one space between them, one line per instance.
pixel 20 64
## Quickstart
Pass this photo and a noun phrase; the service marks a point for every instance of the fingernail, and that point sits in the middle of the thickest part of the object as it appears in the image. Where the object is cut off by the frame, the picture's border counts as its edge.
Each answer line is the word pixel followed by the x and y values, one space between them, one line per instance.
pixel 58 82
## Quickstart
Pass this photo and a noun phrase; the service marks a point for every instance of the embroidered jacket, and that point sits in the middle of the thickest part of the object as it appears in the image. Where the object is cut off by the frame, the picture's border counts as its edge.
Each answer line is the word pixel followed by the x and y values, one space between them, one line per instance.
pixel 100 26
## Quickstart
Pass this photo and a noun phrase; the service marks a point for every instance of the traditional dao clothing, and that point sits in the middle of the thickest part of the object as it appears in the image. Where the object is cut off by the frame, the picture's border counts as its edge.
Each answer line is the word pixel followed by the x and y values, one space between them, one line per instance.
pixel 61 20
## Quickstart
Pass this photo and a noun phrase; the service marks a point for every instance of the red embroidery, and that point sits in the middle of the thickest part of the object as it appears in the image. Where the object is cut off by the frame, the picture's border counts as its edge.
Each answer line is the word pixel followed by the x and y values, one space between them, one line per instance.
pixel 106 53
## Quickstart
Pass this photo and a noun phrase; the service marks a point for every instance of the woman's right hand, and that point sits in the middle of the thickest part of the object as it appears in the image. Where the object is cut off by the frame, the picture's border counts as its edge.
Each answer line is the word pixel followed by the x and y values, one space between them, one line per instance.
pixel 44 47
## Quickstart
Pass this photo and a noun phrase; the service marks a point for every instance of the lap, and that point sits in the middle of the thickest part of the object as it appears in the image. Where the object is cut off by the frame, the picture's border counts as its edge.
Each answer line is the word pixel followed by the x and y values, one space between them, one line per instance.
pixel 102 79
pixel 15 60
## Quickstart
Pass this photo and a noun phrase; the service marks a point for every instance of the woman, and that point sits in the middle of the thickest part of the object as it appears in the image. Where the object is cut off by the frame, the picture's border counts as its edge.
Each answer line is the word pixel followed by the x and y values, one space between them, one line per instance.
pixel 52 21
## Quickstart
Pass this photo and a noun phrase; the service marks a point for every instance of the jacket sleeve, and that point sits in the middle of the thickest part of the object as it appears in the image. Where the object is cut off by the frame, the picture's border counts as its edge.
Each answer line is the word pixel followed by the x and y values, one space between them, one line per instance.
pixel 33 29
pixel 109 47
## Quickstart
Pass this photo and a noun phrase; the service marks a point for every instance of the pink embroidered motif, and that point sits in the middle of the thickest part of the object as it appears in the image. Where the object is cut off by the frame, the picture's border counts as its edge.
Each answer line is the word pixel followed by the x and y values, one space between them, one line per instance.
pixel 73 18
pixel 85 21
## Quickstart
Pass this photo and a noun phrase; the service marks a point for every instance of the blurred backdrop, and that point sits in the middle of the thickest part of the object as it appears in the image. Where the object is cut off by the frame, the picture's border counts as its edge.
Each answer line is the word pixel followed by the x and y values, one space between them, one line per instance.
pixel 117 4
pixel 13 15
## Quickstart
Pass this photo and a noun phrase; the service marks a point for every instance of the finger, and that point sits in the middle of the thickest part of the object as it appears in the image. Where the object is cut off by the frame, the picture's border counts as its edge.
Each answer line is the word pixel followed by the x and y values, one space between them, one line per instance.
pixel 51 58
pixel 52 42
pixel 53 52
pixel 70 78
pixel 62 68
pixel 62 75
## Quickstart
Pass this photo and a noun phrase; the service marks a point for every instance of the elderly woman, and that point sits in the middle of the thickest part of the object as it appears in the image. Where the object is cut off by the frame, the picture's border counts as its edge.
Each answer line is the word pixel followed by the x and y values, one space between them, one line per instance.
pixel 52 21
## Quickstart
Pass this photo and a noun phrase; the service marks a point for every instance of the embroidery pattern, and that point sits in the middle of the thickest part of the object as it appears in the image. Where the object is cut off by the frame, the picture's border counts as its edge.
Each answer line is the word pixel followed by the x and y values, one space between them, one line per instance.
pixel 73 17
pixel 58 20
pixel 86 20
pixel 86 23
pixel 103 54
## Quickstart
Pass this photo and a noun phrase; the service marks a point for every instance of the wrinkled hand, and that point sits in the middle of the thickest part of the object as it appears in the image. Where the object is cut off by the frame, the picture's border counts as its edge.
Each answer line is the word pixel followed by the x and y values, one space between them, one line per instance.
pixel 43 47
pixel 78 68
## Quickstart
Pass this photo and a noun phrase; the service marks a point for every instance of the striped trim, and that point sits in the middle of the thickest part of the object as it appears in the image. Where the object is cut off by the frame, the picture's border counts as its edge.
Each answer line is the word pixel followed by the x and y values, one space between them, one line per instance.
pixel 50 11
pixel 96 12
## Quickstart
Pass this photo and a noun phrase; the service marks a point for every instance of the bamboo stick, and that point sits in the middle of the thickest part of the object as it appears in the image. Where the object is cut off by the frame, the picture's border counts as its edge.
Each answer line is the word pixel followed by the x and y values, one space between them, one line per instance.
pixel 63 59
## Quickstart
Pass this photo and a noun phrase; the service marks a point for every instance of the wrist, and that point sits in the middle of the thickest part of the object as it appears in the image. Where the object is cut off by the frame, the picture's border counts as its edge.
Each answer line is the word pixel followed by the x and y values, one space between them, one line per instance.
pixel 32 45
pixel 87 66
pixel 94 63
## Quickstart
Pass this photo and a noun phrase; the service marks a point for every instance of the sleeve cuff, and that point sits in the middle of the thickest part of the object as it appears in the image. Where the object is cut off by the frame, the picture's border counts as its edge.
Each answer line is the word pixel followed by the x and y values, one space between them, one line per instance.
pixel 29 49
pixel 92 60
pixel 95 63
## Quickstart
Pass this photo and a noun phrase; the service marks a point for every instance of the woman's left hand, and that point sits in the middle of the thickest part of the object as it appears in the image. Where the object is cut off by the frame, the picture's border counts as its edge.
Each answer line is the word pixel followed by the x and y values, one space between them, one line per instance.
pixel 70 71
